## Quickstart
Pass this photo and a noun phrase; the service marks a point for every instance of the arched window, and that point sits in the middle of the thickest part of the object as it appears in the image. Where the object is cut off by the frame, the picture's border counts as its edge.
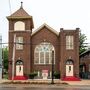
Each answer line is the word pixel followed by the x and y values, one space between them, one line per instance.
pixel 19 26
pixel 69 62
pixel 43 53
pixel 19 62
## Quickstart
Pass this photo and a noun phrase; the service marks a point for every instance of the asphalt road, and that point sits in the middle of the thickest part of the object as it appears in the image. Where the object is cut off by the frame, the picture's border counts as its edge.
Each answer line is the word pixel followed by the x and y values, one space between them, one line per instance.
pixel 43 87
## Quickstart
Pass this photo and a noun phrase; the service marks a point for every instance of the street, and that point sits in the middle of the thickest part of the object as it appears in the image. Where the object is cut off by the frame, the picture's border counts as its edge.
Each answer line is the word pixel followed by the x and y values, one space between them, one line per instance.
pixel 44 87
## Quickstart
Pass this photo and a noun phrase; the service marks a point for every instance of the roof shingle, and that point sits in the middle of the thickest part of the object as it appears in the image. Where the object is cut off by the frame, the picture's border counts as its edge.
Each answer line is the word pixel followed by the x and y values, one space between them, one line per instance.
pixel 20 13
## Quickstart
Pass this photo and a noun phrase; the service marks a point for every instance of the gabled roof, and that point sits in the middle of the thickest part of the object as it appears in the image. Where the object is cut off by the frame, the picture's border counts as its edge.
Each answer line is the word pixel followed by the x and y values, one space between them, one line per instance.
pixel 20 13
pixel 45 25
pixel 85 52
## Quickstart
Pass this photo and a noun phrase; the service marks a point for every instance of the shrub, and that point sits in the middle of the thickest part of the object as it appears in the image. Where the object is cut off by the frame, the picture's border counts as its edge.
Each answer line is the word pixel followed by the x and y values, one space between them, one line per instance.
pixel 57 75
pixel 32 75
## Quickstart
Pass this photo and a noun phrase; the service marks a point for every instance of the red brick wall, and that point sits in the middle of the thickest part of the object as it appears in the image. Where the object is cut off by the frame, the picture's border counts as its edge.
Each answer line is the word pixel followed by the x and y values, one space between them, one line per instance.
pixel 69 54
pixel 26 52
pixel 58 41
pixel 48 36
pixel 85 60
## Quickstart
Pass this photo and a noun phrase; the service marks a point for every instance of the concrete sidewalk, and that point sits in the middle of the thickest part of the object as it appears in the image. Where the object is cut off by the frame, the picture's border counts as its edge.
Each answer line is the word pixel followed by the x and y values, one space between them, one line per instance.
pixel 82 82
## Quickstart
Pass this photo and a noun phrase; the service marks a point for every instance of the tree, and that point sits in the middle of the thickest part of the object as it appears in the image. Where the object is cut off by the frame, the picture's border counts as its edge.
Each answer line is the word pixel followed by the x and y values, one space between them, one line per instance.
pixel 5 58
pixel 82 39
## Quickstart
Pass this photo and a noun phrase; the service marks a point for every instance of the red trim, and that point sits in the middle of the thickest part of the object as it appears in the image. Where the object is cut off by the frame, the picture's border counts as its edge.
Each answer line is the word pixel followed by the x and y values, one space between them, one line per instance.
pixel 71 78
pixel 20 78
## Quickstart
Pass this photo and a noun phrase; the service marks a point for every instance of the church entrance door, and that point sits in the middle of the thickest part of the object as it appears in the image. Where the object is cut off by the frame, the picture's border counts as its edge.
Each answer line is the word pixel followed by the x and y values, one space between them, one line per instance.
pixel 69 68
pixel 19 68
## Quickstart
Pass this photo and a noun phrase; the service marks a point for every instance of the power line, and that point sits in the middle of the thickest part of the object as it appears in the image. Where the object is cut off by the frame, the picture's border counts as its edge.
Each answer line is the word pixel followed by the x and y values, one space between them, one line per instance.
pixel 9 6
pixel 27 43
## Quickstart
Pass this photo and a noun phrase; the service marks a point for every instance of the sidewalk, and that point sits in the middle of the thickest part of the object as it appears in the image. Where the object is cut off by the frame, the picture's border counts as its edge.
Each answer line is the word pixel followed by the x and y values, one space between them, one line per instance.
pixel 82 82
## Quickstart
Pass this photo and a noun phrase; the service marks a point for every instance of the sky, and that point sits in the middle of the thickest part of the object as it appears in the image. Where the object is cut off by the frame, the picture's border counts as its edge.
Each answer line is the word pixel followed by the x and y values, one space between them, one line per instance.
pixel 67 14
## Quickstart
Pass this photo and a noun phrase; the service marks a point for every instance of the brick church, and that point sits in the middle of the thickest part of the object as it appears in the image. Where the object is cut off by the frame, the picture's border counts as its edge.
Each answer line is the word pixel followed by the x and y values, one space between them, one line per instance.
pixel 32 51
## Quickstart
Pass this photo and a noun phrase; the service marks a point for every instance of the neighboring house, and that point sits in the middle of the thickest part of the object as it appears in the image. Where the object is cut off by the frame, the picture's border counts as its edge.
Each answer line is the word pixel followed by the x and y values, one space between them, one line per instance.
pixel 31 51
pixel 0 57
pixel 85 64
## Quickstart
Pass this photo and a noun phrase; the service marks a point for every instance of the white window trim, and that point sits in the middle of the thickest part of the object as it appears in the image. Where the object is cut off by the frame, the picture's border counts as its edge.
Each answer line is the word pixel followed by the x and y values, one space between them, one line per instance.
pixel 19 26
pixel 69 42
pixel 44 56
pixel 19 46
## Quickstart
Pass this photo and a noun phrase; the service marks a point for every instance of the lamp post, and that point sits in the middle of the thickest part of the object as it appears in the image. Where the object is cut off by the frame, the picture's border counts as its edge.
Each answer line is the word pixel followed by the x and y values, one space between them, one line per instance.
pixel 52 82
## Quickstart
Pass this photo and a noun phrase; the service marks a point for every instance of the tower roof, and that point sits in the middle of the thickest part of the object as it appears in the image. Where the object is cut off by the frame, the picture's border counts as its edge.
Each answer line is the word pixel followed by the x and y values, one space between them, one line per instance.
pixel 20 13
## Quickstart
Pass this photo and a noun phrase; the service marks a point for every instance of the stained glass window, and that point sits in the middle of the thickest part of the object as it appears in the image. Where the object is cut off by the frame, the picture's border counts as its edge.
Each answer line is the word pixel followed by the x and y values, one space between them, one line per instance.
pixel 43 53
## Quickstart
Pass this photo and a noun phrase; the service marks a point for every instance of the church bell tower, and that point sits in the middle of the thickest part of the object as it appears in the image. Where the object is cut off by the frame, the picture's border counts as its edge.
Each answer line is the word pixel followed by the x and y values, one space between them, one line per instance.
pixel 20 29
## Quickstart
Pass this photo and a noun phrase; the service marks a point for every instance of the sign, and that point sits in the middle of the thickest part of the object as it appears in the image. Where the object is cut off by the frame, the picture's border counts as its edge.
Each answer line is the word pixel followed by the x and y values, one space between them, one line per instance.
pixel 44 74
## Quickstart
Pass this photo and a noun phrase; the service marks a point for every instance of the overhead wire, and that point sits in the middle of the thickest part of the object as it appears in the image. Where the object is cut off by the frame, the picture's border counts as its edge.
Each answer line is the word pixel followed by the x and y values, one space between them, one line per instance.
pixel 28 43
pixel 10 6
pixel 86 44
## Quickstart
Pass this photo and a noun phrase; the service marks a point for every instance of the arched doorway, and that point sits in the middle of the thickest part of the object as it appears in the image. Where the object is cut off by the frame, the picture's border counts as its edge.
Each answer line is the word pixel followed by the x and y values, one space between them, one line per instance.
pixel 69 68
pixel 19 68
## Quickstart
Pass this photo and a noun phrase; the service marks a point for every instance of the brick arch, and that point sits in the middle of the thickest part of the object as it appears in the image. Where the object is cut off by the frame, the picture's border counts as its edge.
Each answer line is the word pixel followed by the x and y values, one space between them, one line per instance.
pixel 69 61
pixel 19 62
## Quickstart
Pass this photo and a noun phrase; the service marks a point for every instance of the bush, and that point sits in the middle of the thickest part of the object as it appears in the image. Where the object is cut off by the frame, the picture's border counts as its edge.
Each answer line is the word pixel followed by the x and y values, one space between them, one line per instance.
pixel 57 75
pixel 32 75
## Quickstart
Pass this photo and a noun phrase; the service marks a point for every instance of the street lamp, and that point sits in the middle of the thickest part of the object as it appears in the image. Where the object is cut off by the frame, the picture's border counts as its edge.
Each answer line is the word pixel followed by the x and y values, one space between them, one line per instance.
pixel 52 82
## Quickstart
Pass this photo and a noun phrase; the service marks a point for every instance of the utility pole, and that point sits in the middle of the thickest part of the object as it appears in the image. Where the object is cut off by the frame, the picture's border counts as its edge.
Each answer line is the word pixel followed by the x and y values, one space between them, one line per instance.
pixel 3 70
pixel 1 58
pixel 13 57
